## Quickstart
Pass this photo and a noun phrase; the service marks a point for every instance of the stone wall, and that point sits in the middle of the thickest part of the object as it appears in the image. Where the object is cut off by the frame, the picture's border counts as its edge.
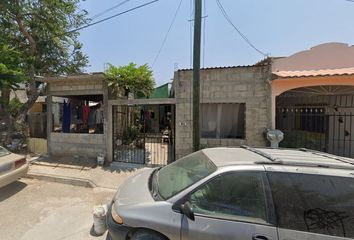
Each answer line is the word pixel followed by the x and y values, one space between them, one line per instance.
pixel 88 145
pixel 247 85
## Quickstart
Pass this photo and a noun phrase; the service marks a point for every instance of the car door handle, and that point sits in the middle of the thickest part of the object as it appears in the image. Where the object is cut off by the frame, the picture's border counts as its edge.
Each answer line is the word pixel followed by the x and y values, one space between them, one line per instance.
pixel 260 237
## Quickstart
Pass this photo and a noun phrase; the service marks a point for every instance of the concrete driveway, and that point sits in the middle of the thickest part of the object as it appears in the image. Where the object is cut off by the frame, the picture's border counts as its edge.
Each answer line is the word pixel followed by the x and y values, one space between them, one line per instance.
pixel 32 209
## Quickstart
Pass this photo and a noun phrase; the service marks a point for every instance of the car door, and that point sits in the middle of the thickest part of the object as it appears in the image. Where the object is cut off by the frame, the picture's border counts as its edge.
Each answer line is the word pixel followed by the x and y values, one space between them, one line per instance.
pixel 232 205
pixel 313 207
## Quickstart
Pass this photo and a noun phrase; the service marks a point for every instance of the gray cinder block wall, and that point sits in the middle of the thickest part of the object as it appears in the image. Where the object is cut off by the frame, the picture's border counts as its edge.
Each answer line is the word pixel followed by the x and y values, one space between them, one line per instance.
pixel 249 85
pixel 88 145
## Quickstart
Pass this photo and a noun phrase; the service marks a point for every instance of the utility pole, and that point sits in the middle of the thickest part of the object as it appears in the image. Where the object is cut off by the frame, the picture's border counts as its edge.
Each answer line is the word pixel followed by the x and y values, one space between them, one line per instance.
pixel 196 74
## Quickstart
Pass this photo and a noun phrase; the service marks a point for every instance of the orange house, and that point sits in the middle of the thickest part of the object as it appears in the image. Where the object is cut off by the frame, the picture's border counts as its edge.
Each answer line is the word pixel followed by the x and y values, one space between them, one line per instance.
pixel 312 98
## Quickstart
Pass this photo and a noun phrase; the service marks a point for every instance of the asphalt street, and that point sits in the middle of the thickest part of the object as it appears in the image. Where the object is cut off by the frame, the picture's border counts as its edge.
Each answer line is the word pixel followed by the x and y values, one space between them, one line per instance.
pixel 33 209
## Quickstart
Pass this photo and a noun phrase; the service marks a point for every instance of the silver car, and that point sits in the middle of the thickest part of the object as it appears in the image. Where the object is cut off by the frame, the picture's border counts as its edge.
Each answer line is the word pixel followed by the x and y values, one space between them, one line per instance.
pixel 12 167
pixel 239 193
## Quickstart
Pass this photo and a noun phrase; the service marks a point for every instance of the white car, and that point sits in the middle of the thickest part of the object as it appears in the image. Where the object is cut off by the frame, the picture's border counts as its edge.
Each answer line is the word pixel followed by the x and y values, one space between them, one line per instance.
pixel 12 167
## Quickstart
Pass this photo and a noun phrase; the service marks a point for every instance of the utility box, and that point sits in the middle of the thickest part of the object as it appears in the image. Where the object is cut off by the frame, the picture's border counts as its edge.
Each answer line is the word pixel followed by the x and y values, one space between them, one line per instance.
pixel 274 136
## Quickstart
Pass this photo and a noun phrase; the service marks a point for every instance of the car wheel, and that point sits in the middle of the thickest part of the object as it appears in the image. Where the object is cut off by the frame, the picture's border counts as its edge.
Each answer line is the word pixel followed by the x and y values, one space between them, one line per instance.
pixel 147 235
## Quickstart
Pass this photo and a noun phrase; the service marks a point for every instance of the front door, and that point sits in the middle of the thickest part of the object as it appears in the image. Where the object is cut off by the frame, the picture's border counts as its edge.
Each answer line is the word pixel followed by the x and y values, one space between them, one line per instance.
pixel 230 206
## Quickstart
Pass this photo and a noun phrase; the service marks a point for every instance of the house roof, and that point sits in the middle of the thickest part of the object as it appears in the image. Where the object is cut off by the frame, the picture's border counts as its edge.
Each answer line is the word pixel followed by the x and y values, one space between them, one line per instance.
pixel 76 77
pixel 259 64
pixel 315 73
pixel 161 91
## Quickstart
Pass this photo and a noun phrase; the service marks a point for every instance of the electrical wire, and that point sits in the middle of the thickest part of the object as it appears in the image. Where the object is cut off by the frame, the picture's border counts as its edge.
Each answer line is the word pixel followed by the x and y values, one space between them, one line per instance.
pixel 109 9
pixel 223 11
pixel 167 33
pixel 113 16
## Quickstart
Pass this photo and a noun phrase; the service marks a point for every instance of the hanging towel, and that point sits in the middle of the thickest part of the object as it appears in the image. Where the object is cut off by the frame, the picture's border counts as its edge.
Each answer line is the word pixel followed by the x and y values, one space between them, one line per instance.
pixel 85 115
pixel 66 117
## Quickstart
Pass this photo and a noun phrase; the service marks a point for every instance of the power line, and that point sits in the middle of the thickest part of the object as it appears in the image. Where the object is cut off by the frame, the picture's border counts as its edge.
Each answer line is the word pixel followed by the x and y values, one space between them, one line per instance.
pixel 109 9
pixel 167 33
pixel 223 11
pixel 108 18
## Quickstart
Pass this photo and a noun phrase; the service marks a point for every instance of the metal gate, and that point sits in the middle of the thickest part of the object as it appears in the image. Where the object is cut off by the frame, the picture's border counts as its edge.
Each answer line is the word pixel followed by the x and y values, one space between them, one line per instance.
pixel 323 128
pixel 144 134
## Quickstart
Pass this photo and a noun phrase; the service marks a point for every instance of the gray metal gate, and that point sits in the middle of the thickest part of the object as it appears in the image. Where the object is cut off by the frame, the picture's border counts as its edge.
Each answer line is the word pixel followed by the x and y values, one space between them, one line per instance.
pixel 327 129
pixel 144 134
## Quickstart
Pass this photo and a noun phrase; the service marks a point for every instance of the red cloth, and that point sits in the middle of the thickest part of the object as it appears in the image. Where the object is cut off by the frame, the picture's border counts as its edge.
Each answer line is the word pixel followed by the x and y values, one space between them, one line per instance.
pixel 85 115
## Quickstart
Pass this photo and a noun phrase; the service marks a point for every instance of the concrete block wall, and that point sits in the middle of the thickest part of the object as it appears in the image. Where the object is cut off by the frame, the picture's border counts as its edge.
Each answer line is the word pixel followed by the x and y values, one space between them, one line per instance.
pixel 82 85
pixel 87 145
pixel 247 85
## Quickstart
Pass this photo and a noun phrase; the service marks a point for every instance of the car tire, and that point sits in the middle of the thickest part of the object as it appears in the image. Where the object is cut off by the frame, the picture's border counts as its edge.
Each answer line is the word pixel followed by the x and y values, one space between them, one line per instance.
pixel 147 235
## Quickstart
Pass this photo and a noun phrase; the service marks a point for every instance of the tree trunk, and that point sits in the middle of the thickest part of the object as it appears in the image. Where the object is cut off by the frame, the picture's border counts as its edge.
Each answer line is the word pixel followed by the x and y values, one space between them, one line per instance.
pixel 6 117
pixel 32 95
pixel 32 92
pixel 5 97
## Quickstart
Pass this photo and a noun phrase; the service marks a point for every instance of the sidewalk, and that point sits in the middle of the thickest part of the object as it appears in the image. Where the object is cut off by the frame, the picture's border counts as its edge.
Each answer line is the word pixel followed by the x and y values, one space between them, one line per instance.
pixel 81 171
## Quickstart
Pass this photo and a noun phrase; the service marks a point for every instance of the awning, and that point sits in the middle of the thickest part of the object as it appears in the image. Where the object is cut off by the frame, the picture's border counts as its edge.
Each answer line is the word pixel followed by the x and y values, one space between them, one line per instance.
pixel 315 73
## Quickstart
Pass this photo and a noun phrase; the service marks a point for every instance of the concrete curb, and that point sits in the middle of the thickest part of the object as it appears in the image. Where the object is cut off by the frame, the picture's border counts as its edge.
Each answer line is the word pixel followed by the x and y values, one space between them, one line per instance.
pixel 61 179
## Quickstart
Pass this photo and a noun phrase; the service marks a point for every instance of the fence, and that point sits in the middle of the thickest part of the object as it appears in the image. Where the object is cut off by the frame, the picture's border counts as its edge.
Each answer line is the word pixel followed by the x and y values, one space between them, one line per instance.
pixel 140 138
pixel 319 128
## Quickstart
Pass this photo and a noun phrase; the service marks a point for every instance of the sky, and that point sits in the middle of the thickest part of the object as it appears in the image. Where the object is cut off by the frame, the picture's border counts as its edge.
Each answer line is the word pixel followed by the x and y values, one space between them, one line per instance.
pixel 276 27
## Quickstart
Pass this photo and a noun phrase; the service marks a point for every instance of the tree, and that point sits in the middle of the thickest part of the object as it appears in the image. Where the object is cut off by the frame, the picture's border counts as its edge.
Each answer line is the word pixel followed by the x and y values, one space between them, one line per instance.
pixel 131 79
pixel 11 76
pixel 39 30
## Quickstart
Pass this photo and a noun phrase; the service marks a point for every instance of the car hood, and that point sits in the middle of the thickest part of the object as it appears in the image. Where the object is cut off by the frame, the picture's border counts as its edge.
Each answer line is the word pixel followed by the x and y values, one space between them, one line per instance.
pixel 134 190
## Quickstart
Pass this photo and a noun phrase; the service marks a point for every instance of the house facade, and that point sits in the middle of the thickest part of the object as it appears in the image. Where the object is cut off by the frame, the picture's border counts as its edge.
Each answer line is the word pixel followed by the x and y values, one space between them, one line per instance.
pixel 313 98
pixel 81 128
pixel 235 103
pixel 309 96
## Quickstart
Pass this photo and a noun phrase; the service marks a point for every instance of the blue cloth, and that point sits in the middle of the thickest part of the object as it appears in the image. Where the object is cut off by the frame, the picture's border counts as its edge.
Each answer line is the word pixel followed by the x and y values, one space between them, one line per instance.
pixel 66 117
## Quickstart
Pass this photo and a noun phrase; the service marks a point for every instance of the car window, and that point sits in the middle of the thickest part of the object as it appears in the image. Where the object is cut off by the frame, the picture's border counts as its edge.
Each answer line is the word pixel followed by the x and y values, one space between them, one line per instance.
pixel 314 203
pixel 3 151
pixel 183 173
pixel 233 196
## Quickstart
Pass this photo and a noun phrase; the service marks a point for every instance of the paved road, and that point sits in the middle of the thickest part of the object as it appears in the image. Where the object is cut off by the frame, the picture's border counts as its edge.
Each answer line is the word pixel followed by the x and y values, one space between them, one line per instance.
pixel 32 209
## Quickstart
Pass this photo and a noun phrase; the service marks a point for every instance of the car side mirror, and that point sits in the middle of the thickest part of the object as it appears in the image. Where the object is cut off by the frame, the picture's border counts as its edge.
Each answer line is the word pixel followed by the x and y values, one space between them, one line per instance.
pixel 187 210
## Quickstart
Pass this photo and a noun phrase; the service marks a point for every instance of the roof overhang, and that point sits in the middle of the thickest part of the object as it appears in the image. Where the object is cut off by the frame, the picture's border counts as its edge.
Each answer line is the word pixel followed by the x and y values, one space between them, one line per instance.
pixel 78 77
pixel 315 73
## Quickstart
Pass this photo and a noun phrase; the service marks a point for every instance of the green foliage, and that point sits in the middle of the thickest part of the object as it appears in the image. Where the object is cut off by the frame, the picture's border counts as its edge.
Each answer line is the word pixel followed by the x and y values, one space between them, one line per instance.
pixel 48 23
pixel 38 35
pixel 10 68
pixel 130 78
pixel 130 135
pixel 14 106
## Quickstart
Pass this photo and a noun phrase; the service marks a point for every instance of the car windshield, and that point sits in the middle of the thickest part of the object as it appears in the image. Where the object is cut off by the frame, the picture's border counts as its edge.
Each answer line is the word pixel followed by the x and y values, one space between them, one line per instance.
pixel 181 174
pixel 3 151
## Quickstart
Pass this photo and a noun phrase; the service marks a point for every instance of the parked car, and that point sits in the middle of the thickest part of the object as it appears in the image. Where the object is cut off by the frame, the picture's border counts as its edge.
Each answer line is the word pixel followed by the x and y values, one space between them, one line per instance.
pixel 12 167
pixel 239 193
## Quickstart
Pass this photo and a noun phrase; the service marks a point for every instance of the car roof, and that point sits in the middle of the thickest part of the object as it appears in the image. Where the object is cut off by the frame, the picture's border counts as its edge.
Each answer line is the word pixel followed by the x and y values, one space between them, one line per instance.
pixel 223 156
pixel 245 155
